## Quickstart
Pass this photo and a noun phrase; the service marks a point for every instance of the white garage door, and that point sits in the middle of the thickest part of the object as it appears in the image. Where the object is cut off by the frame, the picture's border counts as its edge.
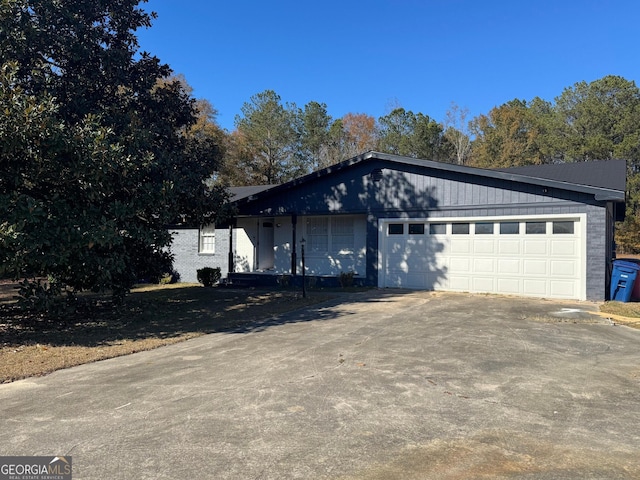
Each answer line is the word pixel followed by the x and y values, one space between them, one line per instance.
pixel 541 257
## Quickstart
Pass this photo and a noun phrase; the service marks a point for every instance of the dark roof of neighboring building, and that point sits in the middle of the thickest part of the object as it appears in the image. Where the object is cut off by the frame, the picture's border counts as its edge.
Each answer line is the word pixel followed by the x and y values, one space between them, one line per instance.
pixel 606 180
pixel 609 174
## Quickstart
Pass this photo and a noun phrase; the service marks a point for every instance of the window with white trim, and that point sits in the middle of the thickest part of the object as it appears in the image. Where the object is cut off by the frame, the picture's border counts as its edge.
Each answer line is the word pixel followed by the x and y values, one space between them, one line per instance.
pixel 208 239
pixel 335 236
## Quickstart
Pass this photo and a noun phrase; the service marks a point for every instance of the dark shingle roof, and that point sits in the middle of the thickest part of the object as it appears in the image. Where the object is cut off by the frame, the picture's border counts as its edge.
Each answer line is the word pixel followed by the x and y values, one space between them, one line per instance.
pixel 609 174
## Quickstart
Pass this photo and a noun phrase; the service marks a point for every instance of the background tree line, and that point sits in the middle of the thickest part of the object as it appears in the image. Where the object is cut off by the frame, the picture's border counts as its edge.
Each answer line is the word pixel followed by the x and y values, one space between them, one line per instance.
pixel 274 141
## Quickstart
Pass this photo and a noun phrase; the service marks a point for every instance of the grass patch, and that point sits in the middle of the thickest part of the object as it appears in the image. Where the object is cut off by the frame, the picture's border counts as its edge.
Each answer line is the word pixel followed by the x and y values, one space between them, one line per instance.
pixel 624 313
pixel 625 309
pixel 153 316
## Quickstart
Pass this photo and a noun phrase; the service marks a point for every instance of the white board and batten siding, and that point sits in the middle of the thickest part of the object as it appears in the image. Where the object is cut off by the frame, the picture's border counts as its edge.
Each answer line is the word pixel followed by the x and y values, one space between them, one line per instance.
pixel 537 256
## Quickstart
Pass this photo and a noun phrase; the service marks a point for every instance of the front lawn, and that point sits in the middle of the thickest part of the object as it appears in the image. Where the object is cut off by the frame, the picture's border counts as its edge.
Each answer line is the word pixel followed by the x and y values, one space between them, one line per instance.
pixel 153 316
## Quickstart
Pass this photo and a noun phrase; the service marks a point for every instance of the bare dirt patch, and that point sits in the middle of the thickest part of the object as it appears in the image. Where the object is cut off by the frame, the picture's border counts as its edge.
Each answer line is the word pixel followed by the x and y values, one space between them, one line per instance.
pixel 32 345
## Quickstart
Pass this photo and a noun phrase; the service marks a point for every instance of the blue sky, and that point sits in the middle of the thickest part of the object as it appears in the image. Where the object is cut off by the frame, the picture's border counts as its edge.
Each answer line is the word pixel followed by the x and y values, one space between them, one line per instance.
pixel 368 57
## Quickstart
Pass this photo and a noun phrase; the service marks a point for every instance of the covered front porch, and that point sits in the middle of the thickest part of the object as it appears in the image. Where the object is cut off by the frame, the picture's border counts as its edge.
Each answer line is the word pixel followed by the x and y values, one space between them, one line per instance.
pixel 265 250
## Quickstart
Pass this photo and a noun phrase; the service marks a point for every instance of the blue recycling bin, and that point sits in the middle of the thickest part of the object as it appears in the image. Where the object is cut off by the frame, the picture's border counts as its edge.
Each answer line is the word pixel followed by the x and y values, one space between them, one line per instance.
pixel 622 280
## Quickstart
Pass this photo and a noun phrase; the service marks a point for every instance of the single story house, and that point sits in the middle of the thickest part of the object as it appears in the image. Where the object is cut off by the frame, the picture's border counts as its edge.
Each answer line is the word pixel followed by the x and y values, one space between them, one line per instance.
pixel 541 231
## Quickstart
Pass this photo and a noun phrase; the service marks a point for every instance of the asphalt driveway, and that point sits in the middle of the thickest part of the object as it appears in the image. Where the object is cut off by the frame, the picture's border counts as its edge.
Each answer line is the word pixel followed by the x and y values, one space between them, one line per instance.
pixel 383 385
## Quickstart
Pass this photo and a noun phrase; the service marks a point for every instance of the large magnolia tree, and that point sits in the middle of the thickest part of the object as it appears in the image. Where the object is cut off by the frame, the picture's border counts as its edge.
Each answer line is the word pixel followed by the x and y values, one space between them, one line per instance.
pixel 97 156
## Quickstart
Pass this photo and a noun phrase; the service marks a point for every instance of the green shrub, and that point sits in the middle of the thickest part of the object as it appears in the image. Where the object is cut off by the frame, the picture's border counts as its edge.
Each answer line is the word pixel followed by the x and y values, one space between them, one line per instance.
pixel 208 276
pixel 346 279
pixel 45 297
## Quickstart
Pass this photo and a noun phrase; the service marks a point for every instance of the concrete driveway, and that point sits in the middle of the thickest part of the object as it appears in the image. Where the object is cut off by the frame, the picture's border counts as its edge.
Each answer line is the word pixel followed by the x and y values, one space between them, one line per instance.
pixel 382 385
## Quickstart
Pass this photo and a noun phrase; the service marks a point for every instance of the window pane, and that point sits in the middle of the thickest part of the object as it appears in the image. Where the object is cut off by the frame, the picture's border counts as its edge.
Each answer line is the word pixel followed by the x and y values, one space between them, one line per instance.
pixel 318 234
pixel 342 243
pixel 317 226
pixel 396 228
pixel 536 228
pixel 562 227
pixel 208 245
pixel 460 229
pixel 416 228
pixel 342 237
pixel 208 239
pixel 484 228
pixel 342 226
pixel 509 228
pixel 318 243
pixel 437 228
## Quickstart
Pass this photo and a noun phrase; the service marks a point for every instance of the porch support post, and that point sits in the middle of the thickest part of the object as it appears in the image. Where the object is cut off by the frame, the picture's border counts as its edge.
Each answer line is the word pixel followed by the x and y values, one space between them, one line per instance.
pixel 294 259
pixel 232 267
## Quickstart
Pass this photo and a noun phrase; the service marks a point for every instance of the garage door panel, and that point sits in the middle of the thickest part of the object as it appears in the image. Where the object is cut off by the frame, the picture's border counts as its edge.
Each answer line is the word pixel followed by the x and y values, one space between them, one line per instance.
pixel 395 278
pixel 508 265
pixel 460 283
pixel 484 284
pixel 563 289
pixel 564 268
pixel 535 286
pixel 564 247
pixel 460 246
pixel 397 262
pixel 509 247
pixel 487 247
pixel 437 282
pixel 536 247
pixel 417 280
pixel 440 263
pixel 509 285
pixel 536 267
pixel 413 261
pixel 460 265
pixel 397 248
pixel 484 265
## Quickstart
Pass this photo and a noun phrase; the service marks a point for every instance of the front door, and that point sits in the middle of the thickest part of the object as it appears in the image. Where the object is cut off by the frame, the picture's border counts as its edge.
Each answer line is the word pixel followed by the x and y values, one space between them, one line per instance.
pixel 265 244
